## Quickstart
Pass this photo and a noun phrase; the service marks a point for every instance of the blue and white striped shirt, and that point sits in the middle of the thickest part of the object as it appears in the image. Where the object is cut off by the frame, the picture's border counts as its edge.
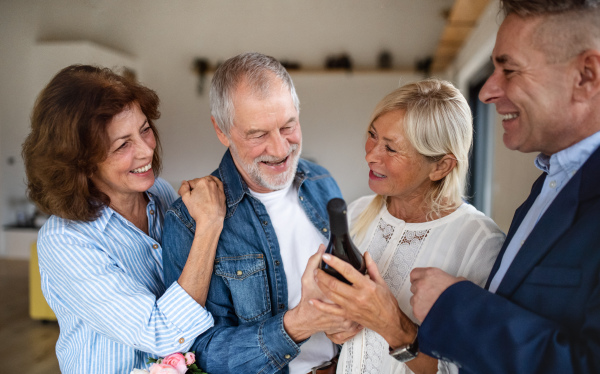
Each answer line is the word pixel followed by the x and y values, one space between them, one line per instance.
pixel 104 281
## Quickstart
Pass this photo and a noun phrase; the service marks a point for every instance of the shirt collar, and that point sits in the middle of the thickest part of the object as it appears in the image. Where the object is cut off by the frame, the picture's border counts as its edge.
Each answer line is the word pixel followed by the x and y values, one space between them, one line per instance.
pixel 234 185
pixel 106 212
pixel 569 159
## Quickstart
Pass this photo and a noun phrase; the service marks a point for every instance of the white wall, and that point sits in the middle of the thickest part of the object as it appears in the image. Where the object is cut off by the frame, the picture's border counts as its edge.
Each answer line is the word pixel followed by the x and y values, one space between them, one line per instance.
pixel 16 42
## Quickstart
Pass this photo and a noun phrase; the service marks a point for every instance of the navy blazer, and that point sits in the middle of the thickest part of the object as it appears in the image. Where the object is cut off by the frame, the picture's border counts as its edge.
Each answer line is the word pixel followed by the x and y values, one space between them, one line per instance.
pixel 545 315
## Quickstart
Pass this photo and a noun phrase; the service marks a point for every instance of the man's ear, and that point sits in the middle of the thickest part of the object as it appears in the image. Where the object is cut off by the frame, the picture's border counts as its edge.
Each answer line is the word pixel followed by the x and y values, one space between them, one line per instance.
pixel 442 167
pixel 587 84
pixel 220 134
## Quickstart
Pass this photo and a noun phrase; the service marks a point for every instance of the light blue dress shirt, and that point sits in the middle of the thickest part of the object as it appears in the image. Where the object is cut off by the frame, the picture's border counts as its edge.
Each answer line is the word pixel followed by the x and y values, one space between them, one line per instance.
pixel 104 281
pixel 560 167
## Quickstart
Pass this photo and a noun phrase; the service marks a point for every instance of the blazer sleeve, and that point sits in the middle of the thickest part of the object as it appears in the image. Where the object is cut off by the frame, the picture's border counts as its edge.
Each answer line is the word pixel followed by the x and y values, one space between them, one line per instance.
pixel 485 333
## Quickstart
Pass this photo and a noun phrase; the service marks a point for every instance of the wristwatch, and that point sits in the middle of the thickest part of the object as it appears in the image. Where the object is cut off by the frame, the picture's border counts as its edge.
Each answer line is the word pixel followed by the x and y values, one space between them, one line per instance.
pixel 407 352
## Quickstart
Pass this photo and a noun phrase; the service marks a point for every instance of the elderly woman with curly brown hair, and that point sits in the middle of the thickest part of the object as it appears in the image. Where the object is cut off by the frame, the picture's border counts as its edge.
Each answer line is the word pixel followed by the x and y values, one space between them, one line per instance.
pixel 92 160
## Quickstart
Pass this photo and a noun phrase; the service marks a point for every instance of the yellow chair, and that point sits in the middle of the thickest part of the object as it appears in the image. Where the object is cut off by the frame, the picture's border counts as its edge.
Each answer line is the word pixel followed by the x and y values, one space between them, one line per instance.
pixel 38 307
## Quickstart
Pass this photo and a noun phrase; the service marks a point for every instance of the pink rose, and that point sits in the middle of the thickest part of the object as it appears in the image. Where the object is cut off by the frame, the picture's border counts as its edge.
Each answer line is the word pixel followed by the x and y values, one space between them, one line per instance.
pixel 163 369
pixel 190 358
pixel 177 360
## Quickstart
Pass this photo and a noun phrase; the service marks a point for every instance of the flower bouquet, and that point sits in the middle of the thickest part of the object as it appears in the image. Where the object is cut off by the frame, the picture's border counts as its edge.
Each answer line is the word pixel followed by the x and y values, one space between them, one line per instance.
pixel 176 363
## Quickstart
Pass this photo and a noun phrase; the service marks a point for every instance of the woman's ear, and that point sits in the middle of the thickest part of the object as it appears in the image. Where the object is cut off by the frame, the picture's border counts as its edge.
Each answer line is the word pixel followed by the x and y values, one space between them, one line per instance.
pixel 442 167
pixel 587 84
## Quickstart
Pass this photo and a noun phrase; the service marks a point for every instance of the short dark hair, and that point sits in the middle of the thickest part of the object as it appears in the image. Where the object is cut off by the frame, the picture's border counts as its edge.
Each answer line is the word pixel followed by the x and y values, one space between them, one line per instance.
pixel 68 138
pixel 525 8
pixel 567 27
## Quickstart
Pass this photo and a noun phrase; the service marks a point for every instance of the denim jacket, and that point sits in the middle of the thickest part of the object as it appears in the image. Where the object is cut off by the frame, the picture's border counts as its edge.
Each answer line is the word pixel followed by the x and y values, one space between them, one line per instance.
pixel 248 290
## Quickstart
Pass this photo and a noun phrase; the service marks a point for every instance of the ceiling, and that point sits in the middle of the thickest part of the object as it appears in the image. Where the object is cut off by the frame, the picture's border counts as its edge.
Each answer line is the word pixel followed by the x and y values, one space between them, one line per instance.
pixel 306 32
pixel 460 22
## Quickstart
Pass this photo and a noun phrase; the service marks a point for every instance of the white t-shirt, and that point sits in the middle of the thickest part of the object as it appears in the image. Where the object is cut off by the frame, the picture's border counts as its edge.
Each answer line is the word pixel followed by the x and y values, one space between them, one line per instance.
pixel 298 239
pixel 463 243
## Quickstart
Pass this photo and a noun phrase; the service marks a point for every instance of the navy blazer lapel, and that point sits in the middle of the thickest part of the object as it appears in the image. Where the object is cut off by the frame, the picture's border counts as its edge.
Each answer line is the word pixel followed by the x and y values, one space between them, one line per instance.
pixel 590 178
pixel 552 225
pixel 555 221
pixel 520 214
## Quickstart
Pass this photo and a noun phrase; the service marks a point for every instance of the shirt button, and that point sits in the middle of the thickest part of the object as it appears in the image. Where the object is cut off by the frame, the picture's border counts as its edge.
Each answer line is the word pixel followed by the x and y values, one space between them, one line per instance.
pixel 151 212
pixel 239 272
pixel 552 184
pixel 281 306
pixel 277 263
pixel 324 229
pixel 181 340
pixel 155 246
pixel 287 357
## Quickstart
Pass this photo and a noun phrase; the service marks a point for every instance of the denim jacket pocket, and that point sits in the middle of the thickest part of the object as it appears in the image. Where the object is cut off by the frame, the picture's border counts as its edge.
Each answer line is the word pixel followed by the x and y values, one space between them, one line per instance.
pixel 246 277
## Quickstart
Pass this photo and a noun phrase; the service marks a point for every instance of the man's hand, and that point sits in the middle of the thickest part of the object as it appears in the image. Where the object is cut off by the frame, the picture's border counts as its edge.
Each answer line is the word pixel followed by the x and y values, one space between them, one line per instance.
pixel 427 284
pixel 368 301
pixel 305 320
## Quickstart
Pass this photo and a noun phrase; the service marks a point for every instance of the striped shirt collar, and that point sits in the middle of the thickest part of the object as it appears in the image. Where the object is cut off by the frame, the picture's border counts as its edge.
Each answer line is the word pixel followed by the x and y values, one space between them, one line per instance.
pixel 106 213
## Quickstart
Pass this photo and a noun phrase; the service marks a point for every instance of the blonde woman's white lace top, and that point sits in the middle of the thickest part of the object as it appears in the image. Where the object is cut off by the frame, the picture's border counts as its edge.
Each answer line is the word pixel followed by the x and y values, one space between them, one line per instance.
pixel 463 243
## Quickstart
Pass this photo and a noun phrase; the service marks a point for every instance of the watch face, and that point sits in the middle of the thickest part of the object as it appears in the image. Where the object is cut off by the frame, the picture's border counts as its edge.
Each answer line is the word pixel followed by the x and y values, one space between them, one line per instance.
pixel 403 354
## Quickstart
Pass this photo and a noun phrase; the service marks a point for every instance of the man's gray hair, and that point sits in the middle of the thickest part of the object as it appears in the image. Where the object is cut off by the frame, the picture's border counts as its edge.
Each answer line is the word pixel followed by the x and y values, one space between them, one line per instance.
pixel 254 69
pixel 541 7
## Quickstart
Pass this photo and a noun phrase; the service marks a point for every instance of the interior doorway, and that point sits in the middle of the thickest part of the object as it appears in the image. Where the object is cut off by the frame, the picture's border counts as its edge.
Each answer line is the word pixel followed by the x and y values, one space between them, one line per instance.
pixel 479 189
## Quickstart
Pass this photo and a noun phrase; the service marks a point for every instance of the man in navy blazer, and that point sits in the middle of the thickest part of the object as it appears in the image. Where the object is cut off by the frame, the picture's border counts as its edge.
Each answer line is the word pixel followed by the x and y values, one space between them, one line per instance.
pixel 541 310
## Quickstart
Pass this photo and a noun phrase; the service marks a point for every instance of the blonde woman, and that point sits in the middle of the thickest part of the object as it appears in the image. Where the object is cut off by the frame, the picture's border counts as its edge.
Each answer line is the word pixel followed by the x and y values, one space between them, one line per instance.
pixel 417 149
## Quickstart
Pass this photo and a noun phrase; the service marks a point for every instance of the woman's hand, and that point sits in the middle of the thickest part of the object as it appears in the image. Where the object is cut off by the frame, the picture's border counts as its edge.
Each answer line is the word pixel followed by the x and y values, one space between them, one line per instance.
pixel 205 201
pixel 304 320
pixel 368 301
pixel 344 336
pixel 204 198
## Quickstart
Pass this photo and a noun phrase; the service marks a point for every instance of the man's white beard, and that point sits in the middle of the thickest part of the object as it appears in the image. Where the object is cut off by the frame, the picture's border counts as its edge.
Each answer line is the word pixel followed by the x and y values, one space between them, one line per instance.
pixel 271 182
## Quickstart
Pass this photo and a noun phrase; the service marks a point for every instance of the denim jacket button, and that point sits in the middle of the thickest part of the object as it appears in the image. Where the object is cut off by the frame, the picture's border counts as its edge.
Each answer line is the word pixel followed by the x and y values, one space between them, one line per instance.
pixel 277 263
pixel 265 223
pixel 287 357
pixel 324 229
pixel 281 306
pixel 239 272
pixel 301 198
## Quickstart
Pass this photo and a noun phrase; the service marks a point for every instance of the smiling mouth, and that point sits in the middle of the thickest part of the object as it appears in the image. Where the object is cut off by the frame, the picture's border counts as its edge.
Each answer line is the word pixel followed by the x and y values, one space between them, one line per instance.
pixel 143 169
pixel 509 116
pixel 275 163
pixel 377 174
